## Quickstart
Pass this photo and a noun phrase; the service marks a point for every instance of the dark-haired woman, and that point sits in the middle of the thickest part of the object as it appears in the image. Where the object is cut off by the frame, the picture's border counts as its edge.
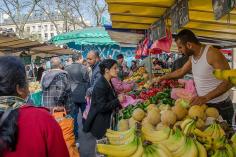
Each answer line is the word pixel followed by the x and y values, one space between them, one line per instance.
pixel 25 131
pixel 104 100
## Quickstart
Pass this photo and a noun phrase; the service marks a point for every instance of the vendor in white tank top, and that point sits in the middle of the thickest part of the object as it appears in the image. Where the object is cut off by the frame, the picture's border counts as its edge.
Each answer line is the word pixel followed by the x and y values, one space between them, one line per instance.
pixel 203 59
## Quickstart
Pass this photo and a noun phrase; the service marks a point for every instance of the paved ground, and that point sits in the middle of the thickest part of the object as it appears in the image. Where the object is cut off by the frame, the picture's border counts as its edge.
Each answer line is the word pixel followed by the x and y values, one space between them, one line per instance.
pixel 86 141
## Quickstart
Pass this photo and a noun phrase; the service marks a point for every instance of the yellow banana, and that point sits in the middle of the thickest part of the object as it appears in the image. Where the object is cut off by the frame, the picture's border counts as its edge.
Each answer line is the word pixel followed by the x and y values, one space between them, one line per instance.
pixel 199 133
pixel 217 153
pixel 209 130
pixel 111 134
pixel 156 136
pixel 233 138
pixel 175 141
pixel 224 153
pixel 181 149
pixel 127 140
pixel 201 149
pixel 224 74
pixel 192 151
pixel 185 123
pixel 228 73
pixel 230 150
pixel 219 143
pixel 233 80
pixel 222 132
pixel 189 128
pixel 233 145
pixel 162 150
pixel 140 150
pixel 118 150
pixel 217 73
pixel 216 132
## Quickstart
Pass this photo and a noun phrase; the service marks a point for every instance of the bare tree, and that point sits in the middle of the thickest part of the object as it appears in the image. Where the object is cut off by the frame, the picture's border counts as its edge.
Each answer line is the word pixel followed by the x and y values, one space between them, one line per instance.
pixel 98 9
pixel 74 12
pixel 19 12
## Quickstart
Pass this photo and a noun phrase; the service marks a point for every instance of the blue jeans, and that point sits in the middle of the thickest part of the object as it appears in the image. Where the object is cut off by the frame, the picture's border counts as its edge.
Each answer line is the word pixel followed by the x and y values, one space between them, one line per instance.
pixel 77 107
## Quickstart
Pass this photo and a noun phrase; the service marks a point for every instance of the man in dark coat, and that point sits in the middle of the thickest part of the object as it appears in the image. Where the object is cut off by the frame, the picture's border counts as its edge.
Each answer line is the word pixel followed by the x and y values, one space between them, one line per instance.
pixel 79 81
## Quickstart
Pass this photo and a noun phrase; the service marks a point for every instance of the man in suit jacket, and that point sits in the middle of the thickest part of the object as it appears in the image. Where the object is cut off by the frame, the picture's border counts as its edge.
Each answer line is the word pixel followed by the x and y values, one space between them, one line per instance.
pixel 79 80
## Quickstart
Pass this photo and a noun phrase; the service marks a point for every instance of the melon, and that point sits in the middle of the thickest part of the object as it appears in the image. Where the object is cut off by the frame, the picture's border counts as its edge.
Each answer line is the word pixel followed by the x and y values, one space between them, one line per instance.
pixel 145 123
pixel 168 117
pixel 164 107
pixel 180 111
pixel 153 117
pixel 138 114
pixel 196 111
pixel 212 112
pixel 123 125
pixel 153 107
pixel 182 102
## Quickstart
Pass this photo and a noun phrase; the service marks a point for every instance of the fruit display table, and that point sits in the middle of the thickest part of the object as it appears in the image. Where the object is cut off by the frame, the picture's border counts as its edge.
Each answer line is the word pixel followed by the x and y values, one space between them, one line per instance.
pixel 167 127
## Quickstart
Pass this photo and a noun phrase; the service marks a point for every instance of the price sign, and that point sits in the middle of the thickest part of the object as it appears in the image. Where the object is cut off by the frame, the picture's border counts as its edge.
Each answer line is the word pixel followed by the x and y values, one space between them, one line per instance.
pixel 179 15
pixel 222 7
pixel 158 30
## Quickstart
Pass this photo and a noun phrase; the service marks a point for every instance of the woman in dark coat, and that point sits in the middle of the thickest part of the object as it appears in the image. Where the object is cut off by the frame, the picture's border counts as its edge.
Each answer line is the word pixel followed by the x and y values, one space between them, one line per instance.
pixel 104 100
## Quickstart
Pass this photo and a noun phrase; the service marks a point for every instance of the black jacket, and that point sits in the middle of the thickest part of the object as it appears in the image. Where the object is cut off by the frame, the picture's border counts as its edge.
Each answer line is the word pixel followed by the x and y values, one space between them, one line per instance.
pixel 104 103
pixel 79 80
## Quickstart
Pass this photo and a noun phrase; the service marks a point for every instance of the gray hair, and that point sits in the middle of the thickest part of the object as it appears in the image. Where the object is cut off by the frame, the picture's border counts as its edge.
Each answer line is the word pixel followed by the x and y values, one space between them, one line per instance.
pixel 55 62
pixel 95 52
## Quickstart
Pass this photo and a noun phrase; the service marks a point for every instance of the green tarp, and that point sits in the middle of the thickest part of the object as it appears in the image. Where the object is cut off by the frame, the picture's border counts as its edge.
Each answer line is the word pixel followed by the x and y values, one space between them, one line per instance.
pixel 87 36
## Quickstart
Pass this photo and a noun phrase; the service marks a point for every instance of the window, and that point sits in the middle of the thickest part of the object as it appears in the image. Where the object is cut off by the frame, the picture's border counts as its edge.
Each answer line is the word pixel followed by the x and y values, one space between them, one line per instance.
pixel 52 35
pixel 39 28
pixel 40 35
pixel 33 27
pixel 51 27
pixel 45 27
pixel 46 36
pixel 28 29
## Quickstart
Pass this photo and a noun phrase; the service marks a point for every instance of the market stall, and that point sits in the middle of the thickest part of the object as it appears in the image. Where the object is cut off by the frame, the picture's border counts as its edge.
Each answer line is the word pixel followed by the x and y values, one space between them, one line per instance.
pixel 29 50
pixel 164 123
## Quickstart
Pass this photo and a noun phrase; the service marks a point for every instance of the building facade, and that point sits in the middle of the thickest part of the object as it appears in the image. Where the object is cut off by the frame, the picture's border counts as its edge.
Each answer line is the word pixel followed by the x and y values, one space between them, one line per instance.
pixel 40 27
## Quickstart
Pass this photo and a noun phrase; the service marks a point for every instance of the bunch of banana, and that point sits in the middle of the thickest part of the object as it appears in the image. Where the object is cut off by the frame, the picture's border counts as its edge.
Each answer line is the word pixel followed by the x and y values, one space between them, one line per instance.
pixel 156 150
pixel 176 140
pixel 125 150
pixel 156 136
pixel 120 137
pixel 215 131
pixel 188 126
pixel 226 151
pixel 191 148
pixel 228 75
pixel 233 143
